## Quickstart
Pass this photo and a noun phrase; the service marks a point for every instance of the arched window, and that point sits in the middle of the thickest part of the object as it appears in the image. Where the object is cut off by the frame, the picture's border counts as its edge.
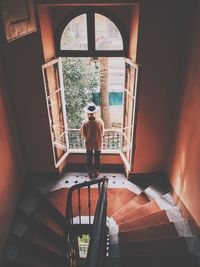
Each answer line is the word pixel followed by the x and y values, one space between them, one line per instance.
pixel 91 33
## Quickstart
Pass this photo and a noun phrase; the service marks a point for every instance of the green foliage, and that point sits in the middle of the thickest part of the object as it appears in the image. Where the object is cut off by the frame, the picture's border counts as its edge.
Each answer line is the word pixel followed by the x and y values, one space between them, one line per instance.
pixel 80 81
pixel 84 238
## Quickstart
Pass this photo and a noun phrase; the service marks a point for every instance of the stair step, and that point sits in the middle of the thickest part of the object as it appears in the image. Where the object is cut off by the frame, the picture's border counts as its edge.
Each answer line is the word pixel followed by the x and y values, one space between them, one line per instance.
pixel 24 223
pixel 146 209
pixel 29 203
pixel 36 258
pixel 117 198
pixel 159 188
pixel 154 247
pixel 156 218
pixel 145 180
pixel 183 260
pixel 36 236
pixel 32 200
pixel 23 248
pixel 163 231
pixel 58 200
pixel 166 202
pixel 48 219
pixel 9 263
pixel 134 203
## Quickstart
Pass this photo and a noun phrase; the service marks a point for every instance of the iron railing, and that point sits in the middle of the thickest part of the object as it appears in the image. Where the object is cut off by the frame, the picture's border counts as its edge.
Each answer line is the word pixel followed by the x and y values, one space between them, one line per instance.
pixel 70 251
pixel 111 140
pixel 98 243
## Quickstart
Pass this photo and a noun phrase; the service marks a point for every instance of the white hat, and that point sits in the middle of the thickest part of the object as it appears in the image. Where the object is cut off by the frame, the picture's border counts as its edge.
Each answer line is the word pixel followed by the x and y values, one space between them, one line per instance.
pixel 90 108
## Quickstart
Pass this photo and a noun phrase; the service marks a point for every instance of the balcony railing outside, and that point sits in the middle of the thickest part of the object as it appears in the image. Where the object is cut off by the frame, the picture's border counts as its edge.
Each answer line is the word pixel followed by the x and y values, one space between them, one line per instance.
pixel 111 140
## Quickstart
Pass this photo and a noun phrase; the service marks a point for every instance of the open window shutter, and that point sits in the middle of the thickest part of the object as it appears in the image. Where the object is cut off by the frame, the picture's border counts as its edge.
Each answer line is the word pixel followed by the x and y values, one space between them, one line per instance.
pixel 53 82
pixel 128 128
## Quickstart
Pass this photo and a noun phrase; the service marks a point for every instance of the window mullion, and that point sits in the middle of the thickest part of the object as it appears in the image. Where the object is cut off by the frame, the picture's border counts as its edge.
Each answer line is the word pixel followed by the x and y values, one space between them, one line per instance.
pixel 91 32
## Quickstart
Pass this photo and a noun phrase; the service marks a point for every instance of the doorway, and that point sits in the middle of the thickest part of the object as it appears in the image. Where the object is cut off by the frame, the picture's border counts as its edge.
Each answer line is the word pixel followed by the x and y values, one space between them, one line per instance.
pixel 66 97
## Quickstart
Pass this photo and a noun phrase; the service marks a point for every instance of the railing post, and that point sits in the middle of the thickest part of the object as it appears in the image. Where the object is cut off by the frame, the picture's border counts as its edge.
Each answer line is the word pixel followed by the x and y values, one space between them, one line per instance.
pixel 70 247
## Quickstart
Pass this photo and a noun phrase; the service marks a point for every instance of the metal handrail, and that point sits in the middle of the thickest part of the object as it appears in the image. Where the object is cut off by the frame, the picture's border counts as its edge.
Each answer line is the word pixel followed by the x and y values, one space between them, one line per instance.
pixel 98 243
pixel 68 237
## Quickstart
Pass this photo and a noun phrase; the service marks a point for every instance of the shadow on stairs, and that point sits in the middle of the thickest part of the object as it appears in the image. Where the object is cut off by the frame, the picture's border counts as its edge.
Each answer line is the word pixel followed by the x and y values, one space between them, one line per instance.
pixel 146 228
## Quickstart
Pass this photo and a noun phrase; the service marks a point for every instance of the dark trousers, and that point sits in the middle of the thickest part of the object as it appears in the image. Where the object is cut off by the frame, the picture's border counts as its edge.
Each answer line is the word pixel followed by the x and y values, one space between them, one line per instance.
pixel 96 155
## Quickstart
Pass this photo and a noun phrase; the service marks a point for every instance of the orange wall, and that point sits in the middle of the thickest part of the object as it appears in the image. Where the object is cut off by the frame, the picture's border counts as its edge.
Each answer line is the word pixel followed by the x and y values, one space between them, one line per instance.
pixel 47 33
pixel 12 169
pixel 184 171
pixel 134 32
pixel 23 59
pixel 159 45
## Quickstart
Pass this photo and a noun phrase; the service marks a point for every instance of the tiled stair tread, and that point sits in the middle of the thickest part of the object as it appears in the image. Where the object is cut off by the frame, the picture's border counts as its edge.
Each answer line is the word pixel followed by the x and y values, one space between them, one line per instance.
pixel 163 231
pixel 117 198
pixel 166 201
pixel 195 229
pixel 170 260
pixel 30 203
pixel 35 258
pixel 20 227
pixel 13 250
pixel 23 254
pixel 157 189
pixel 146 209
pixel 183 228
pixel 193 244
pixel 134 203
pixel 9 263
pixel 160 217
pixel 155 247
pixel 144 181
pixel 45 217
pixel 156 218
pixel 36 236
pixel 58 199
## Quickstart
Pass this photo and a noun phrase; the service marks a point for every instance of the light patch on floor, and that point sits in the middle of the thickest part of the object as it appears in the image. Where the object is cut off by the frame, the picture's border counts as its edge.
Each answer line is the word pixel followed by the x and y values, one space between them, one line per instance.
pixel 115 180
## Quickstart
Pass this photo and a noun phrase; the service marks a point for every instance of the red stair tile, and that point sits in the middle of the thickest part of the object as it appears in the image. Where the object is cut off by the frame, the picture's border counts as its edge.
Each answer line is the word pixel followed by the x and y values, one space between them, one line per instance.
pixel 182 260
pixel 117 198
pixel 47 218
pixel 163 231
pixel 154 247
pixel 157 218
pixel 58 199
pixel 133 204
pixel 145 210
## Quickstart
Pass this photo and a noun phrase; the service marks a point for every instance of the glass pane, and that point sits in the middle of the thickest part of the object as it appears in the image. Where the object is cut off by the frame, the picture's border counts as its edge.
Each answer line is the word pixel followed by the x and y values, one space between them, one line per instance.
pixel 52 80
pixel 130 79
pixel 126 145
pixel 128 109
pixel 107 36
pixel 74 36
pixel 57 120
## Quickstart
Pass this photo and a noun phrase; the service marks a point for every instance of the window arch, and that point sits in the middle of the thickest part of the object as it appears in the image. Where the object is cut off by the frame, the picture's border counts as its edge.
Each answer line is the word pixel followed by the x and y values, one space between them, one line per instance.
pixel 91 32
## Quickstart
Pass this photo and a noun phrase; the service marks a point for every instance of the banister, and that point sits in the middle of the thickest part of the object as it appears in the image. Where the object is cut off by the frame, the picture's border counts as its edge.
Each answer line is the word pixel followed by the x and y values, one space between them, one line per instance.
pixel 68 237
pixel 97 247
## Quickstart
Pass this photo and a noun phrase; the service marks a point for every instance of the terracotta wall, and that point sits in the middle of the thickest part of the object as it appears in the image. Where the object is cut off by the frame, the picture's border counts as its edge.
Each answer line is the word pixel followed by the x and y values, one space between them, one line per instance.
pixel 122 12
pixel 22 60
pixel 159 51
pixel 184 171
pixel 47 34
pixel 133 32
pixel 12 169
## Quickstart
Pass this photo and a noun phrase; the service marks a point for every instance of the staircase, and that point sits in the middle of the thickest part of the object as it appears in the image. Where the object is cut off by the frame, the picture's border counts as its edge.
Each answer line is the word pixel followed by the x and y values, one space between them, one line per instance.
pixel 146 228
